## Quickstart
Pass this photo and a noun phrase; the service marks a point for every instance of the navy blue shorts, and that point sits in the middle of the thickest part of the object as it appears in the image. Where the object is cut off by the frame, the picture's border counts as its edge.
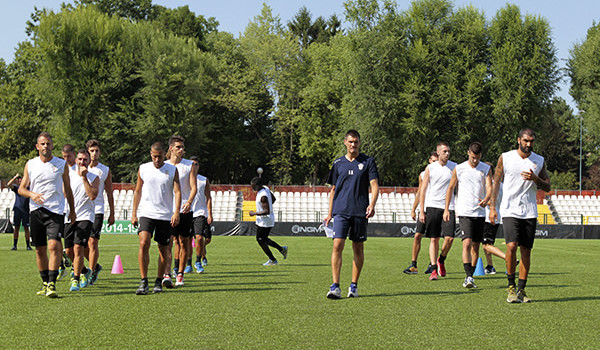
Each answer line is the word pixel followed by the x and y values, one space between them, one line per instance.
pixel 21 218
pixel 353 227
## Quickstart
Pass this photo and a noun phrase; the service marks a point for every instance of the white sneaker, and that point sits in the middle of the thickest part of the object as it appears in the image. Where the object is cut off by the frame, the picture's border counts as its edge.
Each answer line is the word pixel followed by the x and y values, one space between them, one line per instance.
pixel 270 263
pixel 469 283
pixel 352 291
pixel 334 292
pixel 179 280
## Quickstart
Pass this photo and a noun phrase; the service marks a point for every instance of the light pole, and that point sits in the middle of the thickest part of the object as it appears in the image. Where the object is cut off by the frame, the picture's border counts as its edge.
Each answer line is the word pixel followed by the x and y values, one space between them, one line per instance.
pixel 581 111
pixel 259 171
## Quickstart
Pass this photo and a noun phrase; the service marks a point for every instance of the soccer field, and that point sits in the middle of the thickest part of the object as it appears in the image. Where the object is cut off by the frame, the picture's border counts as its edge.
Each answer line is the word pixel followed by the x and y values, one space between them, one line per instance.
pixel 238 303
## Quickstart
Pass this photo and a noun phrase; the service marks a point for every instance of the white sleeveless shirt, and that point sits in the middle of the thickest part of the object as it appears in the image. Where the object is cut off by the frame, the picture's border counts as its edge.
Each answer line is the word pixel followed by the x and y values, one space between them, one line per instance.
pixel 471 189
pixel 46 179
pixel 265 220
pixel 439 179
pixel 157 192
pixel 519 197
pixel 84 206
pixel 101 171
pixel 184 168
pixel 199 204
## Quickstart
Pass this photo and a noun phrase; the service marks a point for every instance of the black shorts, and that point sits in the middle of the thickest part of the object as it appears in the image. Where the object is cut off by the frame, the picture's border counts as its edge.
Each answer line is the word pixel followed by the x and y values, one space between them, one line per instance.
pixel 201 227
pixel 435 226
pixel 420 226
pixel 46 225
pixel 521 231
pixel 20 217
pixel 262 232
pixel 471 227
pixel 78 233
pixel 184 229
pixel 353 227
pixel 489 233
pixel 97 228
pixel 160 229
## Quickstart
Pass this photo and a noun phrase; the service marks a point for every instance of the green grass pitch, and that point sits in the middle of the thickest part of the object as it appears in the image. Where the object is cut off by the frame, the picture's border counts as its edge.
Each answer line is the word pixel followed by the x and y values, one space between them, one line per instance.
pixel 239 304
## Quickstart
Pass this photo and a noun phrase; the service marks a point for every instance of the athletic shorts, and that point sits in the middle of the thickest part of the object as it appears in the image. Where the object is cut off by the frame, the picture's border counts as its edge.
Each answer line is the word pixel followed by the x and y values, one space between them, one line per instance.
pixel 20 218
pixel 262 232
pixel 471 227
pixel 160 229
pixel 489 233
pixel 435 226
pixel 78 233
pixel 184 229
pixel 420 226
pixel 521 231
pixel 97 228
pixel 353 227
pixel 46 225
pixel 201 227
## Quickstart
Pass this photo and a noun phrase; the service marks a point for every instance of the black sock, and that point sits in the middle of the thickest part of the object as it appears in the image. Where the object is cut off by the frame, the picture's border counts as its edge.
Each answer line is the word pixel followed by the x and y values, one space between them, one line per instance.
pixel 414 263
pixel 44 275
pixel 145 280
pixel 76 278
pixel 337 285
pixel 189 261
pixel 28 243
pixel 52 275
pixel 511 280
pixel 468 271
pixel 98 267
pixel 354 283
pixel 434 267
pixel 158 281
pixel 522 284
pixel 15 241
pixel 176 263
pixel 84 270
pixel 198 258
pixel 442 259
pixel 489 267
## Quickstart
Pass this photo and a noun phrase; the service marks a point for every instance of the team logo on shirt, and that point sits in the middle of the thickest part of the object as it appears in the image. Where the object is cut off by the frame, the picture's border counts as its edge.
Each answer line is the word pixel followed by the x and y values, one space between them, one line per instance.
pixel 360 166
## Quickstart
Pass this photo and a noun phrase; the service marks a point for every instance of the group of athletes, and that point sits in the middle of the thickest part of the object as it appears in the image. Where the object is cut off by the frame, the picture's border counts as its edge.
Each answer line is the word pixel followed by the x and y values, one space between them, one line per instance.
pixel 172 204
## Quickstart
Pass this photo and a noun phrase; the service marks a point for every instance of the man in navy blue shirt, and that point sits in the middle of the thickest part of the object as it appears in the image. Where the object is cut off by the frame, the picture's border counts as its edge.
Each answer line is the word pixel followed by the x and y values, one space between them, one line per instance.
pixel 349 206
pixel 21 212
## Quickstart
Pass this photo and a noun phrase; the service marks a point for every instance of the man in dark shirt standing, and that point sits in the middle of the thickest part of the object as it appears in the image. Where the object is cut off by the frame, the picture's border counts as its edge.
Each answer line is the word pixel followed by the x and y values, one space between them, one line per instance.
pixel 21 212
pixel 349 206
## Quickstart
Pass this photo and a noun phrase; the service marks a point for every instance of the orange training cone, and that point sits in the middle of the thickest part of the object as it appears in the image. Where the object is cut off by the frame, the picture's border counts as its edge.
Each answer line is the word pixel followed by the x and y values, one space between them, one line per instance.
pixel 117 268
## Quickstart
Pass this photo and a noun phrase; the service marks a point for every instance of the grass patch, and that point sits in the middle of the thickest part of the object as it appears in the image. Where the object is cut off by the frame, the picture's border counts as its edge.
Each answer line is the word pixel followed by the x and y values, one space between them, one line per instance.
pixel 238 303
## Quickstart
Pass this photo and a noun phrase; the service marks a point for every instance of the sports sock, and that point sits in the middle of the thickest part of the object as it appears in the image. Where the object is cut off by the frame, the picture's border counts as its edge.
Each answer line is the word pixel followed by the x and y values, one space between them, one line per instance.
pixel 84 270
pixel 522 284
pixel 52 275
pixel 434 267
pixel 15 241
pixel 98 267
pixel 414 263
pixel 198 258
pixel 189 261
pixel 337 285
pixel 158 281
pixel 511 280
pixel 76 278
pixel 44 275
pixel 442 259
pixel 468 271
pixel 489 267
pixel 145 280
pixel 354 283
pixel 176 263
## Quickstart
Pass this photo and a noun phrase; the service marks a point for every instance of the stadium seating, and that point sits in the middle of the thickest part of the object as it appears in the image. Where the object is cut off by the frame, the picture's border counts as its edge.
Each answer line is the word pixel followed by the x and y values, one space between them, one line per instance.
pixel 575 209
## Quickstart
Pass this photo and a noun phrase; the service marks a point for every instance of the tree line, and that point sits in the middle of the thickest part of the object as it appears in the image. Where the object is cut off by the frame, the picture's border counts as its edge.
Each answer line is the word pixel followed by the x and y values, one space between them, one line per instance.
pixel 282 95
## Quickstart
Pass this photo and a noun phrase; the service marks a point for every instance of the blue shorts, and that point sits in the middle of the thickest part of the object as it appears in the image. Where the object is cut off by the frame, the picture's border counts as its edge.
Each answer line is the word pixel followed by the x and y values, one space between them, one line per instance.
pixel 353 227
pixel 21 218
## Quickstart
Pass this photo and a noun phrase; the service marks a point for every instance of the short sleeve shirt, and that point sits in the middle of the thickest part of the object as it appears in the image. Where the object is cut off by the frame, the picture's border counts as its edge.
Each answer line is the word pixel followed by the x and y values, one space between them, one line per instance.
pixel 351 180
pixel 21 203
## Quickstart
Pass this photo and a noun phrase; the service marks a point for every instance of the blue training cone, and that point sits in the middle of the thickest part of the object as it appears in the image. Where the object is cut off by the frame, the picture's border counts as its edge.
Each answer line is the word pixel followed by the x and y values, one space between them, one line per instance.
pixel 479 268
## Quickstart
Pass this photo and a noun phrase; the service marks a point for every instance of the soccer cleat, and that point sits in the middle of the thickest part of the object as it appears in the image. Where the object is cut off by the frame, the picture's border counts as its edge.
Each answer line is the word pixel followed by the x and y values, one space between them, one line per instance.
pixel 61 273
pixel 352 291
pixel 334 292
pixel 199 268
pixel 270 263
pixel 411 270
pixel 441 268
pixel 433 276
pixel 188 269
pixel 14 247
pixel 29 247
pixel 204 261
pixel 142 289
pixel 84 280
pixel 157 288
pixel 43 290
pixel 51 290
pixel 74 285
pixel 95 274
pixel 179 280
pixel 66 259
pixel 284 252
pixel 175 271
pixel 429 269
pixel 522 297
pixel 167 282
pixel 469 283
pixel 490 270
pixel 512 295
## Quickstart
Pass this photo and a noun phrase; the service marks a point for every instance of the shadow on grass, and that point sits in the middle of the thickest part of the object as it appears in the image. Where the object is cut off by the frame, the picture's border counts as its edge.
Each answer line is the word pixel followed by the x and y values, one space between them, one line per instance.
pixel 190 289
pixel 558 300
pixel 469 291
pixel 531 285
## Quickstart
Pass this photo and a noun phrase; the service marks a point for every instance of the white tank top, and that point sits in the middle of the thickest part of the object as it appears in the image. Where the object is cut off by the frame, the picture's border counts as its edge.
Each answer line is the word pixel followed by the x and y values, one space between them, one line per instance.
pixel 487 208
pixel 184 168
pixel 101 171
pixel 84 206
pixel 157 192
pixel 265 220
pixel 46 178
pixel 439 179
pixel 471 189
pixel 519 197
pixel 199 206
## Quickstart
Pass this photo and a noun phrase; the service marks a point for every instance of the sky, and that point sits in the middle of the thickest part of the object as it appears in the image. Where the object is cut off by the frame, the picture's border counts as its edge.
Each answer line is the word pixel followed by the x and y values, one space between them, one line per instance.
pixel 569 20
